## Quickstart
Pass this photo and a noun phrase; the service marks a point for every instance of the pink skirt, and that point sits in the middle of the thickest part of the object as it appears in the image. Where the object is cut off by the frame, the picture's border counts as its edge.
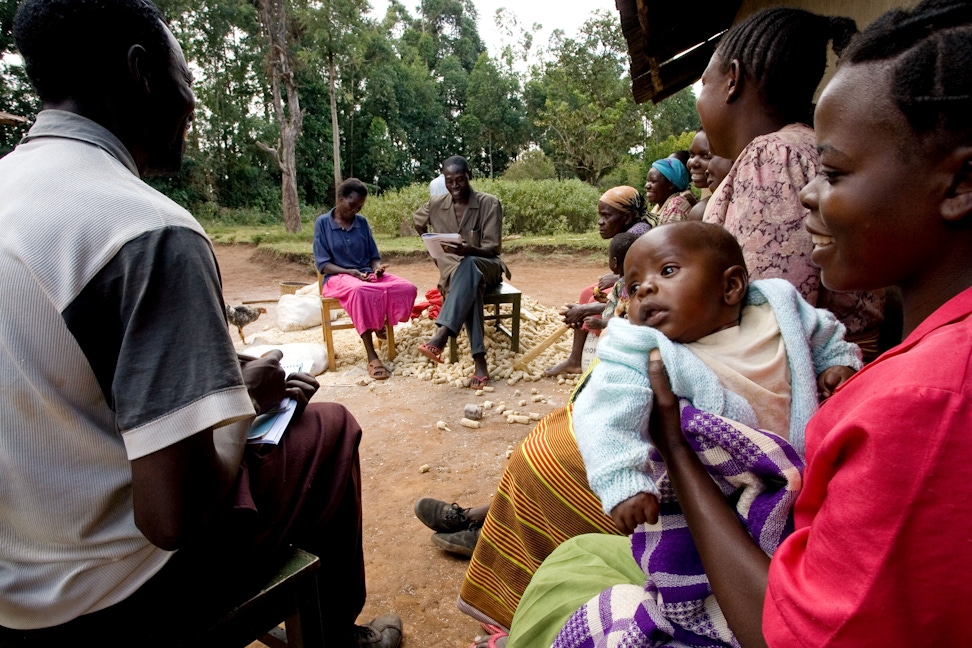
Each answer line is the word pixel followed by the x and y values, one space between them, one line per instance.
pixel 370 304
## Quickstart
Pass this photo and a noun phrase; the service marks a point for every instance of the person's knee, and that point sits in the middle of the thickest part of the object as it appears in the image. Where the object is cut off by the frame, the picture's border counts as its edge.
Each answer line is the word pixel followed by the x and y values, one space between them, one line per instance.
pixel 468 266
pixel 328 420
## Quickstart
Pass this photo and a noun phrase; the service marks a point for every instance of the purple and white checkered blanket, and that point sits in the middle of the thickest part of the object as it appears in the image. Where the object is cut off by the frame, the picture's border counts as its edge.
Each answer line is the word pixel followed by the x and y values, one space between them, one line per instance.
pixel 761 474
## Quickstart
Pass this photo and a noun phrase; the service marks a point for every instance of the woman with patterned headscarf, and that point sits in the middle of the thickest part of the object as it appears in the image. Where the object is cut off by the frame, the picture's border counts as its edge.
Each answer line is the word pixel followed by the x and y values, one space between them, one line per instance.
pixel 620 209
pixel 667 189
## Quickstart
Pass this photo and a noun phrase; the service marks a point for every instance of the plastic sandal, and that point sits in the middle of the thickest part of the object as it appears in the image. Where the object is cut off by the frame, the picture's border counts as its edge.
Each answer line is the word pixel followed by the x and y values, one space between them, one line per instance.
pixel 431 352
pixel 377 370
pixel 478 382
pixel 495 634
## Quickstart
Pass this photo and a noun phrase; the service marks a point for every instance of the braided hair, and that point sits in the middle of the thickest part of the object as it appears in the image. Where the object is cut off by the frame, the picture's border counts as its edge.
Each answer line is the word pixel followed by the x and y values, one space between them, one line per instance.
pixel 783 52
pixel 929 50
pixel 636 207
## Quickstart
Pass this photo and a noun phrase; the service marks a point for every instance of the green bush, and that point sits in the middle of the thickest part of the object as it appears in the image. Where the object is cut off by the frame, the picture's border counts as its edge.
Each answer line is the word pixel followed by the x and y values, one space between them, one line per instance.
pixel 529 206
pixel 531 165
pixel 630 172
pixel 545 206
pixel 391 212
pixel 211 212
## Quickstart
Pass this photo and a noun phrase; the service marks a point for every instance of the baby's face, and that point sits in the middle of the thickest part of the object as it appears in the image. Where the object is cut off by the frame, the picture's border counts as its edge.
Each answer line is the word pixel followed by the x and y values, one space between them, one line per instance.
pixel 675 287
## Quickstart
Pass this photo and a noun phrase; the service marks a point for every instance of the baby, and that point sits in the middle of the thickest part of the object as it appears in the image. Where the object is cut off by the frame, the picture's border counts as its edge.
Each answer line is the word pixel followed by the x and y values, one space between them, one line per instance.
pixel 616 301
pixel 757 354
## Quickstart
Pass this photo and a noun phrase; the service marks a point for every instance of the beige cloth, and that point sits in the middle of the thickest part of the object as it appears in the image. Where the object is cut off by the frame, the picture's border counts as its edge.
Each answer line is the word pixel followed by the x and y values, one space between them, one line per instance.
pixel 750 360
pixel 481 226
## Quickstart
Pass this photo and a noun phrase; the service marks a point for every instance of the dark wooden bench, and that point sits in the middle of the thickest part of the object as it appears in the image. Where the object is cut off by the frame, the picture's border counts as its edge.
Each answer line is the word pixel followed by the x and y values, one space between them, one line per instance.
pixel 502 294
pixel 290 596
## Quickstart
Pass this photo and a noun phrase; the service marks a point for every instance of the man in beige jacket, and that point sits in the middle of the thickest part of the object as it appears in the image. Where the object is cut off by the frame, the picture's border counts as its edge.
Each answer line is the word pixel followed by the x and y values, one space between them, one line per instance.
pixel 470 267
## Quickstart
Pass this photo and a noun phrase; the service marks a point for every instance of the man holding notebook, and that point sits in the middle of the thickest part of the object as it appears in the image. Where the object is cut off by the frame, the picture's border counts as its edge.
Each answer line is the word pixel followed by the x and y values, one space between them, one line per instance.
pixel 130 508
pixel 469 268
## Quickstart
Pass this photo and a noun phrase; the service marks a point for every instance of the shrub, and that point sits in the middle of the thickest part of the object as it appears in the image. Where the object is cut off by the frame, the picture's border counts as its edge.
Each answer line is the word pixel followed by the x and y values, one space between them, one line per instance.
pixel 545 206
pixel 529 206
pixel 531 165
pixel 391 212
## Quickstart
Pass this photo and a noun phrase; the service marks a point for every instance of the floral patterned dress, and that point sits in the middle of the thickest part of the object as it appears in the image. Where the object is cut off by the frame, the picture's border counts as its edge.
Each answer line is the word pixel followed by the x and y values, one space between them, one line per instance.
pixel 759 203
pixel 676 208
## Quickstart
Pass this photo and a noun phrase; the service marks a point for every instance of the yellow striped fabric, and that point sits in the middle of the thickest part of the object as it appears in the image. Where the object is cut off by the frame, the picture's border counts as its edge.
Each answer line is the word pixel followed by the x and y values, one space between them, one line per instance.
pixel 542 500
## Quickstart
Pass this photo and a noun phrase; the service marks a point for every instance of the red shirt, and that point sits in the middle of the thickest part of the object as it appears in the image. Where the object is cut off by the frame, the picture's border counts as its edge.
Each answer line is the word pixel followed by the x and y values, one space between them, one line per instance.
pixel 882 552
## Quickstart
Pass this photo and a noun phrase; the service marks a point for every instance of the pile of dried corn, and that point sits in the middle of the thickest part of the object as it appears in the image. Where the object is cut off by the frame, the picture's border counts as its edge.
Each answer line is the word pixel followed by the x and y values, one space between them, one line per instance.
pixel 537 323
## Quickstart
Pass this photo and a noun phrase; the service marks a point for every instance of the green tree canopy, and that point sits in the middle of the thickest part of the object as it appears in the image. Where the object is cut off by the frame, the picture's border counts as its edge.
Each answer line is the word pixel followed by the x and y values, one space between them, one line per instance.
pixel 589 118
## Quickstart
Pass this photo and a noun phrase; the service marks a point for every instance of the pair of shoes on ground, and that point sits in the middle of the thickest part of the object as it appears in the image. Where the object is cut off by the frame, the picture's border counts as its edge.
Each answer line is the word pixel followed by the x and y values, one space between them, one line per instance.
pixel 455 532
pixel 384 631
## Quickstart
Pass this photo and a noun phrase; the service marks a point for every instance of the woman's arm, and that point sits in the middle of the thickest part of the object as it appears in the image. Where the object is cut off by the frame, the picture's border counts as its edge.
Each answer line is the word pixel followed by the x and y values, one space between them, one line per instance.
pixel 574 314
pixel 736 567
pixel 331 269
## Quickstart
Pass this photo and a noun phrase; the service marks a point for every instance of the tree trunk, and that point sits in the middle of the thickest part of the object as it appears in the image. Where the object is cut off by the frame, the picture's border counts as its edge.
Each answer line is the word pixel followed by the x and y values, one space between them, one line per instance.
pixel 335 132
pixel 289 117
pixel 491 156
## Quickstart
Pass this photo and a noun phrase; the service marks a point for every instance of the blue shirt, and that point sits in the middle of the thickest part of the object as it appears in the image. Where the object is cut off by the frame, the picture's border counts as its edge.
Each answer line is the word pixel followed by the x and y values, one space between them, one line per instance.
pixel 351 248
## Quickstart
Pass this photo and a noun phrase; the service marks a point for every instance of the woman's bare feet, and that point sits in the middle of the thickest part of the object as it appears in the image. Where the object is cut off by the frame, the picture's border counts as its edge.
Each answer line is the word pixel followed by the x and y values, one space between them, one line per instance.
pixel 572 365
pixel 568 366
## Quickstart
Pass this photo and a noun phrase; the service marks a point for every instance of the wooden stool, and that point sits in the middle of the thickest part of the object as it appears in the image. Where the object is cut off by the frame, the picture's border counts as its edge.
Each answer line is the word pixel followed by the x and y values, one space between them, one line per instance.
pixel 290 596
pixel 502 294
pixel 328 327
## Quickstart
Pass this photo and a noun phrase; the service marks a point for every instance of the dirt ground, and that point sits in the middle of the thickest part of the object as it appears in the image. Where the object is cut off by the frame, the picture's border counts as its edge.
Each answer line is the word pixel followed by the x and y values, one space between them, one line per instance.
pixel 406 573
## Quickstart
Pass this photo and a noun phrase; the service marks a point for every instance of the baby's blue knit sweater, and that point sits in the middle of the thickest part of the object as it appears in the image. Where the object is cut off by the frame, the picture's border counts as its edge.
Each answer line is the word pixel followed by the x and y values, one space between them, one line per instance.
pixel 611 412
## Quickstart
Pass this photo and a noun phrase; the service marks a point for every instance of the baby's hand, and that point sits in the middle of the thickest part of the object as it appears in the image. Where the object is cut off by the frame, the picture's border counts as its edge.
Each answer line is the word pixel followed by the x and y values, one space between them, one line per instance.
pixel 594 323
pixel 830 379
pixel 606 282
pixel 640 509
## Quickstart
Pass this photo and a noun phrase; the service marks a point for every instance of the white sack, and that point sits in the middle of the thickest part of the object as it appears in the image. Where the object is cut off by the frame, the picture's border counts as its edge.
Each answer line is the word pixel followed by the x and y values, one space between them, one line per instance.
pixel 298 312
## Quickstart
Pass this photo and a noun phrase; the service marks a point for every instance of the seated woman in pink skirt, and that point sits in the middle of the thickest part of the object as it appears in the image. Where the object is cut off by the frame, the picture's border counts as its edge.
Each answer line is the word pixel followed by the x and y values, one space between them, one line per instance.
pixel 346 254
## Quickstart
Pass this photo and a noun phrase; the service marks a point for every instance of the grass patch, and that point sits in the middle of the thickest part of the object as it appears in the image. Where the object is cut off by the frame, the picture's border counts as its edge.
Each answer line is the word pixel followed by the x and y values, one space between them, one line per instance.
pixel 275 241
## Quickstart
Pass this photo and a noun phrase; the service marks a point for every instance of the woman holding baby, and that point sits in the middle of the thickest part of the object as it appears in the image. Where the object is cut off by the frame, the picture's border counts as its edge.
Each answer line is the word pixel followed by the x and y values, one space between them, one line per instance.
pixel 886 454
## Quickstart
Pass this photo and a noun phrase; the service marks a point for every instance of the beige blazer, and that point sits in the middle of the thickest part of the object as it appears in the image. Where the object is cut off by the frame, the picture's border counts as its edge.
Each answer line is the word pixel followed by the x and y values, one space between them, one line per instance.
pixel 481 226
